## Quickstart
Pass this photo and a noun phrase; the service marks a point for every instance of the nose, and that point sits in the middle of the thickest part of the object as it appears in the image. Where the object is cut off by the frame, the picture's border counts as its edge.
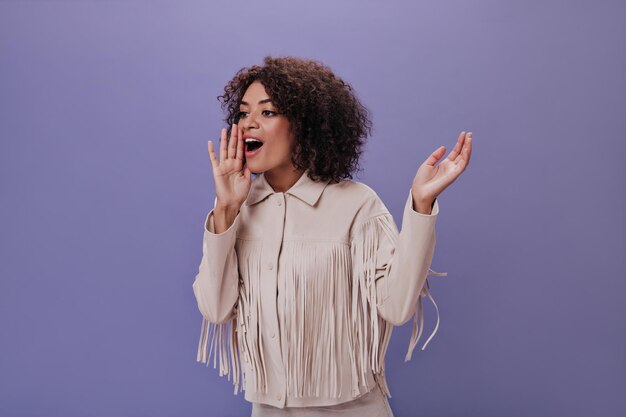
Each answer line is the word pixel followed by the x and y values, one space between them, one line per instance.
pixel 249 122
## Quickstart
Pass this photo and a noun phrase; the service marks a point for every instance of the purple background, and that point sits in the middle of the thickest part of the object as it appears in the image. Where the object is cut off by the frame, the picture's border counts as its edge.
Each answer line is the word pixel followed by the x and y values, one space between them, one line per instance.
pixel 105 112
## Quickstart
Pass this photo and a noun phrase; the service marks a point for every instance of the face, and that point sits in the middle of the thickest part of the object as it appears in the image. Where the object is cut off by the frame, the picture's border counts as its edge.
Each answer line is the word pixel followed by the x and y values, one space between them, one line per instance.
pixel 259 118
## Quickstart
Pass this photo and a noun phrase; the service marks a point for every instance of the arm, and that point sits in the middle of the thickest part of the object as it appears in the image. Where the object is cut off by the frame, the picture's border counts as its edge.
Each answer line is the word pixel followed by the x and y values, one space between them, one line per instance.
pixel 403 260
pixel 392 266
pixel 216 284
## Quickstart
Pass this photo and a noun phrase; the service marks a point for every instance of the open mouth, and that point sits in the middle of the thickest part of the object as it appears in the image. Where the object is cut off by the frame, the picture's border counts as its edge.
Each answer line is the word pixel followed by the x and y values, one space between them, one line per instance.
pixel 253 144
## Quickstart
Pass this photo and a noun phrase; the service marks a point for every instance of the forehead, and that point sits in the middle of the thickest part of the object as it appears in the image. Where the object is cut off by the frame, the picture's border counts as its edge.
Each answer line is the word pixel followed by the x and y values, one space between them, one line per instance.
pixel 255 93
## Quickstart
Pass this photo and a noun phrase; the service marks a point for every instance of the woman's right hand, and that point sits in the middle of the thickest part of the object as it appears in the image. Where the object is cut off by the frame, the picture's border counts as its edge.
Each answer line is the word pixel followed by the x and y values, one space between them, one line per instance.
pixel 232 180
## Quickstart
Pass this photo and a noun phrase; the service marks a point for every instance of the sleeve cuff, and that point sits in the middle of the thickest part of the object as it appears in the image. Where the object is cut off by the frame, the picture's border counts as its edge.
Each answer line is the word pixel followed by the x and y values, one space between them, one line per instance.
pixel 209 222
pixel 409 206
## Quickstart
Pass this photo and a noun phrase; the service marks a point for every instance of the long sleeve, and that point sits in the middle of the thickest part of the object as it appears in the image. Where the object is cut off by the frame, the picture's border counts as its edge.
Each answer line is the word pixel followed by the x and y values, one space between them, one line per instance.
pixel 402 261
pixel 216 288
pixel 398 262
pixel 216 284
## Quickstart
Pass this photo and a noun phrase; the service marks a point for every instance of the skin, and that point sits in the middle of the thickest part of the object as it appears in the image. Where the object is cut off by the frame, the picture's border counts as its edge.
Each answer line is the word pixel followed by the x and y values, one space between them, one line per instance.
pixel 259 118
pixel 430 180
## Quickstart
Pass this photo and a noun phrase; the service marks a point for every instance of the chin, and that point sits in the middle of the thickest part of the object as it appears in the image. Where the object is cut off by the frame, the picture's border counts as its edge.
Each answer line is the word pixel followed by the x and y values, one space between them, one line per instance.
pixel 255 171
pixel 258 168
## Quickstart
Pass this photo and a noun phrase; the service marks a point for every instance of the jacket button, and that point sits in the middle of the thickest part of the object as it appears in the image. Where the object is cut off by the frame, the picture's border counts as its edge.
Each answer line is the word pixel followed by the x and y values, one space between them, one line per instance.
pixel 280 202
pixel 279 397
pixel 269 265
pixel 273 335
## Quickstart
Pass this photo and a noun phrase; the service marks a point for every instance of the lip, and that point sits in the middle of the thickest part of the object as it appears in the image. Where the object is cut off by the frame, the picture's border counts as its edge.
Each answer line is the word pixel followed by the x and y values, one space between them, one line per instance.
pixel 244 137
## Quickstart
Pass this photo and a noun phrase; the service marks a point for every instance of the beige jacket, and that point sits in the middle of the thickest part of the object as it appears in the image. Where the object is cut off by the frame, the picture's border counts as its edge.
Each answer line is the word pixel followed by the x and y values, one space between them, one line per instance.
pixel 306 286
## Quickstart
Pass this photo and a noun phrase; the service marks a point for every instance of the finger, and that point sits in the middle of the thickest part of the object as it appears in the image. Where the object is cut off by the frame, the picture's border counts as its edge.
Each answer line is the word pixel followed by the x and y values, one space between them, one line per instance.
pixel 467 147
pixel 232 143
pixel 240 145
pixel 223 153
pixel 457 147
pixel 462 163
pixel 246 171
pixel 212 155
pixel 435 156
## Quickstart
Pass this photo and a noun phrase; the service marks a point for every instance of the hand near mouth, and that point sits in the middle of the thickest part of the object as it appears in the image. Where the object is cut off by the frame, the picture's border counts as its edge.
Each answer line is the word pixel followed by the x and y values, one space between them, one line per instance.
pixel 231 177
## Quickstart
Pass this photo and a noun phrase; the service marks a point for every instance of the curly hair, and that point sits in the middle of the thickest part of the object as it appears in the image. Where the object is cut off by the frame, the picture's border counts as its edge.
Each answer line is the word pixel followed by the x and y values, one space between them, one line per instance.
pixel 329 122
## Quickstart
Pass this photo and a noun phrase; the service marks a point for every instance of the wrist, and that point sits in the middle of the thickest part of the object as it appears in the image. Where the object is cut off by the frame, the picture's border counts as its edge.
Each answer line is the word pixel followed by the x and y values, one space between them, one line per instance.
pixel 224 217
pixel 226 208
pixel 423 206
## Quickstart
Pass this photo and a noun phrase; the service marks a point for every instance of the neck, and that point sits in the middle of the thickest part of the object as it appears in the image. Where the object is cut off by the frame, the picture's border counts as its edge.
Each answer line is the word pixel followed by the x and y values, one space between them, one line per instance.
pixel 283 179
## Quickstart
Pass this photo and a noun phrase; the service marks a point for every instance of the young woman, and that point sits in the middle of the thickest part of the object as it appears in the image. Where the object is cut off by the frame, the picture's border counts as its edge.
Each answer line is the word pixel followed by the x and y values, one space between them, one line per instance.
pixel 304 272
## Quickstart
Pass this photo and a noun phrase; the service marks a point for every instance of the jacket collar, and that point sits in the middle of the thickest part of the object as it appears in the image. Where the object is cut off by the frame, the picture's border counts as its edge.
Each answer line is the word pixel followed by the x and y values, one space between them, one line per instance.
pixel 305 189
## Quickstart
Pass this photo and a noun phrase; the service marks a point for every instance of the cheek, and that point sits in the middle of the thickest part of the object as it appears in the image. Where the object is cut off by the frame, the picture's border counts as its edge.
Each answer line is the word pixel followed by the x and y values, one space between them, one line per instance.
pixel 287 141
pixel 291 142
pixel 286 147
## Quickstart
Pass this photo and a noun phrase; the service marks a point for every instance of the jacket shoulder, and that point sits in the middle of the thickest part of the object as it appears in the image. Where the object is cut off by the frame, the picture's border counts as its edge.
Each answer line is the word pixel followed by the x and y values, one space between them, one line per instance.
pixel 353 190
pixel 363 199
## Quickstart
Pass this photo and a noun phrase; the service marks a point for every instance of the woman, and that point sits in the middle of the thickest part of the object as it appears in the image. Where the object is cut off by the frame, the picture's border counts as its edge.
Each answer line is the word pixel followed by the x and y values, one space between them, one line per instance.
pixel 304 272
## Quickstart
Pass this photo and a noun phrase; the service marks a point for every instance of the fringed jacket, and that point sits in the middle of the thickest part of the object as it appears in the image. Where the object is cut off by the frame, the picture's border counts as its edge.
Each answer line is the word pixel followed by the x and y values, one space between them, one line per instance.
pixel 301 293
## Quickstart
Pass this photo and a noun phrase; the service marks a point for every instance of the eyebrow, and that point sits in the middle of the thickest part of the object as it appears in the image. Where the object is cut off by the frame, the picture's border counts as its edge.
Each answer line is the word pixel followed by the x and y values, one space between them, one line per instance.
pixel 267 100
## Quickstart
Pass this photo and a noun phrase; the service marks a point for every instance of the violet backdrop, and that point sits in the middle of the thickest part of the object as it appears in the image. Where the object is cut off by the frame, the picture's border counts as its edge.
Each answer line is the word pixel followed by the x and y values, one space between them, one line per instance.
pixel 105 112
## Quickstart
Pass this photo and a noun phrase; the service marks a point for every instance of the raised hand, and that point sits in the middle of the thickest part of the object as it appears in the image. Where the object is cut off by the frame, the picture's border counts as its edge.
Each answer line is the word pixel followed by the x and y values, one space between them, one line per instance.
pixel 231 178
pixel 431 180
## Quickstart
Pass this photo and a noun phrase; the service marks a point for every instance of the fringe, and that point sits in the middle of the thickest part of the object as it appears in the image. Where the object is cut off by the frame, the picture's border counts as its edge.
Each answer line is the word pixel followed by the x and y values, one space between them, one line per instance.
pixel 216 334
pixel 364 257
pixel 313 318
pixel 371 333
pixel 327 305
pixel 251 337
pixel 419 313
pixel 243 330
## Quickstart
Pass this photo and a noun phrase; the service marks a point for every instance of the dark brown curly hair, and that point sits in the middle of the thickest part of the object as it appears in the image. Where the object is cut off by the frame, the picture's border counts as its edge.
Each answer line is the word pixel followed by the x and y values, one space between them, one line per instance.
pixel 329 122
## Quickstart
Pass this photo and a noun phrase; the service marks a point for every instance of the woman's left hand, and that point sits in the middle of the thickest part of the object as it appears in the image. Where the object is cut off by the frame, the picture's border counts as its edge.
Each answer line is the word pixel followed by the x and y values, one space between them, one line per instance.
pixel 431 180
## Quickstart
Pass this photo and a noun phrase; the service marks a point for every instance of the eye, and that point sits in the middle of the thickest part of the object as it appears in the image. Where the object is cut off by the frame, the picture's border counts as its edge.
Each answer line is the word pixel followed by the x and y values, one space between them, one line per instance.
pixel 242 114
